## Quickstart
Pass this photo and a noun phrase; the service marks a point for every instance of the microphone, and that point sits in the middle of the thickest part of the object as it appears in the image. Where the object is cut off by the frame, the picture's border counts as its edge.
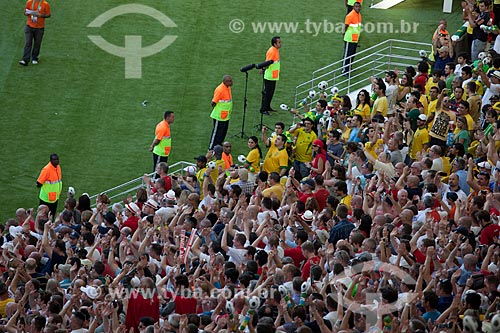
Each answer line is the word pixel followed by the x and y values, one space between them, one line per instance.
pixel 247 68
pixel 264 64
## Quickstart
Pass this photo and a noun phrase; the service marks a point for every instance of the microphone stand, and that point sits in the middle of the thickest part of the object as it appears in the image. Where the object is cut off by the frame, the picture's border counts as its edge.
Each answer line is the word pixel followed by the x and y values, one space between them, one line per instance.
pixel 242 134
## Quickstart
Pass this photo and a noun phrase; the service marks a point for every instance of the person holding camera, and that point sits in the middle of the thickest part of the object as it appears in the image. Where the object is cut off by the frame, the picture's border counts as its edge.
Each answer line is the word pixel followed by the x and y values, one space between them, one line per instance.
pixel 305 137
pixel 36 11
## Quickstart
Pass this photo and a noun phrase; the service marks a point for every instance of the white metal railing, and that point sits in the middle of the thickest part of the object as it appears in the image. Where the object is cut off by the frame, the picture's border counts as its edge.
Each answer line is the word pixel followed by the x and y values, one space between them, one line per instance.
pixel 373 61
pixel 116 193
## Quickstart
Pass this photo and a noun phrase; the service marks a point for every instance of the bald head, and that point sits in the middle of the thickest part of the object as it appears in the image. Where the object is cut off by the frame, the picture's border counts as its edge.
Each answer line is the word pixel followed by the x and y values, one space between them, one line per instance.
pixel 227 80
pixel 470 258
pixel 29 250
pixel 36 256
pixel 406 216
pixel 253 210
pixel 21 215
pixel 380 220
pixel 465 221
pixel 30 264
pixel 356 201
pixel 412 181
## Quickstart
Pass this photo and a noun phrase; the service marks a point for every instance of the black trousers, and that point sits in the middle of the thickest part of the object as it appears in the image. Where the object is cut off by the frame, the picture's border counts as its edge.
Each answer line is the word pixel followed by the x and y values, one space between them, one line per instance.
pixel 349 52
pixel 267 95
pixel 32 43
pixel 157 159
pixel 52 207
pixel 218 133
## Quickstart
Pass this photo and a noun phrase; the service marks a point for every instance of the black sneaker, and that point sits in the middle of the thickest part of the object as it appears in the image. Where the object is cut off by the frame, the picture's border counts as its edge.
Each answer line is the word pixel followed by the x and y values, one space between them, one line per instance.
pixel 23 63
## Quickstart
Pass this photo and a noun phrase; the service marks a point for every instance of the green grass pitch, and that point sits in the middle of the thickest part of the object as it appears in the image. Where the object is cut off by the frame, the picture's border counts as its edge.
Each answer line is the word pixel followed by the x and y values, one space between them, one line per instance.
pixel 77 102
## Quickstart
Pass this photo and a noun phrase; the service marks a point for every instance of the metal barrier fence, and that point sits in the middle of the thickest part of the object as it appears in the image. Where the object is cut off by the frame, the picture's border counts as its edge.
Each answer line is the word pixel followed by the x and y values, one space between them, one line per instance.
pixel 116 193
pixel 373 61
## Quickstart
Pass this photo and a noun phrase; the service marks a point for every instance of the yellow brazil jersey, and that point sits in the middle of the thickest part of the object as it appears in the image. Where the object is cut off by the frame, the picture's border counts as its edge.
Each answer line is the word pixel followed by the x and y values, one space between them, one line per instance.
pixel 303 145
pixel 425 103
pixel 346 201
pixel 372 148
pixel 253 159
pixel 215 172
pixel 362 111
pixel 420 138
pixel 432 107
pixel 275 160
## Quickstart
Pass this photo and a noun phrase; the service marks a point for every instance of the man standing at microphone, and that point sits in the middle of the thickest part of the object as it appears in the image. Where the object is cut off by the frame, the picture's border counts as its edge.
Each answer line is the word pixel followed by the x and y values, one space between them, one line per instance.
pixel 352 31
pixel 271 75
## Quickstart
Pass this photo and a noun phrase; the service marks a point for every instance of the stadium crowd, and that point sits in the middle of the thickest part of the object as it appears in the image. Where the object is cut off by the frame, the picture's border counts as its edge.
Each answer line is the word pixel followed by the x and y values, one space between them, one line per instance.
pixel 379 214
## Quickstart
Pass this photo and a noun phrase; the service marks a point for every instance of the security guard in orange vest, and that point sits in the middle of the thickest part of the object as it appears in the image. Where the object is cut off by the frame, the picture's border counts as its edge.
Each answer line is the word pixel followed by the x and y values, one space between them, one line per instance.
pixel 352 31
pixel 271 75
pixel 222 104
pixel 162 143
pixel 50 184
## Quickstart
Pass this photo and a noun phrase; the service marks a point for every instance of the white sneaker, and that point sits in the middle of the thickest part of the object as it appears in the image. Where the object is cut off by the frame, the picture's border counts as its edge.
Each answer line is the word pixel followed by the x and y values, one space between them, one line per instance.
pixel 23 63
pixel 34 62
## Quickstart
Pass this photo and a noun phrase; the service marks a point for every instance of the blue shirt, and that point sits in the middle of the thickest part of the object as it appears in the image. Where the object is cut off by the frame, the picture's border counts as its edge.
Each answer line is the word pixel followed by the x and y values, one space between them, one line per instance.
pixel 444 303
pixel 340 231
pixel 462 280
pixel 432 315
pixel 353 137
pixel 462 181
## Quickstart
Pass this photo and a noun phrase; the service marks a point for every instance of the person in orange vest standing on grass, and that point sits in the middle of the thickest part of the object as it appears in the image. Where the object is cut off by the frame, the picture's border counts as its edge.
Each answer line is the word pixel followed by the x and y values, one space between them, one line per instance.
pixel 162 143
pixel 222 104
pixel 352 30
pixel 36 11
pixel 271 75
pixel 50 184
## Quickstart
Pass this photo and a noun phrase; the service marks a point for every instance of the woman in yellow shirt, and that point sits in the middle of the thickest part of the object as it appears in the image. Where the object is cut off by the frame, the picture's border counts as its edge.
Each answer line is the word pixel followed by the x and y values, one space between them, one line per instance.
pixel 254 156
pixel 363 105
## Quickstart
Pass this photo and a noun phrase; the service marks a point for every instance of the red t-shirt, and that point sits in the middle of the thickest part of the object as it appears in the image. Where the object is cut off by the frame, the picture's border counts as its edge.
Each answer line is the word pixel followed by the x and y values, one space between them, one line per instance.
pixel 108 271
pixel 321 196
pixel 420 258
pixel 139 307
pixel 168 184
pixel 422 80
pixel 306 269
pixel 303 196
pixel 296 254
pixel 185 305
pixel 489 234
pixel 132 222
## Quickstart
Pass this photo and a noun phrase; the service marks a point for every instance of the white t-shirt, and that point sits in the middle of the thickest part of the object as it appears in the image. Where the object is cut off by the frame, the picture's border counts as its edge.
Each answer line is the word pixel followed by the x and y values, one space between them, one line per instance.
pixel 458 70
pixel 391 94
pixel 494 89
pixel 237 256
pixel 96 255
pixel 437 164
pixel 261 217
